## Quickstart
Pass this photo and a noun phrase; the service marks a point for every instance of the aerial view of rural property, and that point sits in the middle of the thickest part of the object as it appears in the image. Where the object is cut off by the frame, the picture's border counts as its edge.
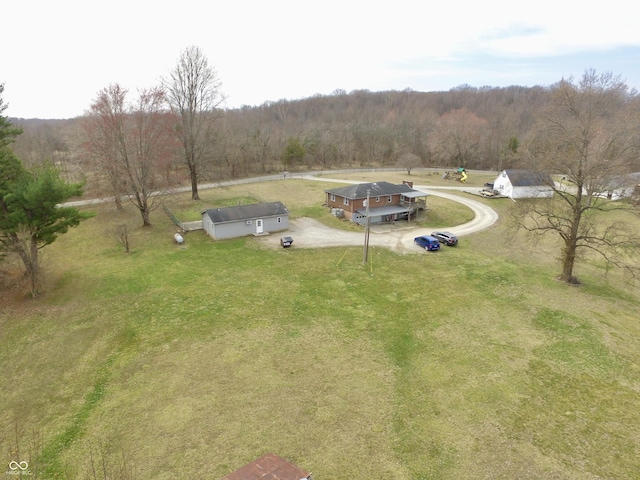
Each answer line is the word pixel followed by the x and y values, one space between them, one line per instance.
pixel 381 284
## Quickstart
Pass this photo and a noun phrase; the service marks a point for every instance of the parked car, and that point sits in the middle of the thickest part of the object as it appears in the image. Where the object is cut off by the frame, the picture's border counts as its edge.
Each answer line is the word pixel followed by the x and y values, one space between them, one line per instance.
pixel 427 242
pixel 447 238
pixel 286 242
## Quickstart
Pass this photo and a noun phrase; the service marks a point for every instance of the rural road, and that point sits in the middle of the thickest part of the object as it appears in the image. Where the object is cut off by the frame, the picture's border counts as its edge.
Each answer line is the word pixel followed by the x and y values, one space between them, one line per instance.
pixel 307 232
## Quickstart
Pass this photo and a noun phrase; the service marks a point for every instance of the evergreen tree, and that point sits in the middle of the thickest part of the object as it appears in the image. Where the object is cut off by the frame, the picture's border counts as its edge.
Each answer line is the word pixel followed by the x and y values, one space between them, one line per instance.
pixel 30 213
pixel 294 153
pixel 7 131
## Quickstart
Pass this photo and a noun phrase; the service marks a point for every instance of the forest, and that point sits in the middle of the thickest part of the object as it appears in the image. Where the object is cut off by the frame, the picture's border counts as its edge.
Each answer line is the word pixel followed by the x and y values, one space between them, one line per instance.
pixel 466 126
pixel 476 128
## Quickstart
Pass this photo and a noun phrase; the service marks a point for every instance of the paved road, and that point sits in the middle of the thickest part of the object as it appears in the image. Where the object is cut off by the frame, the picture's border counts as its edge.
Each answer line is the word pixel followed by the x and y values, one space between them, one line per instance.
pixel 307 232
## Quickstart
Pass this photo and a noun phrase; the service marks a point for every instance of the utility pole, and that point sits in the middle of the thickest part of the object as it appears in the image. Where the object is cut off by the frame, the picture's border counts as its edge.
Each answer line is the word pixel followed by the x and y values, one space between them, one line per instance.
pixel 365 255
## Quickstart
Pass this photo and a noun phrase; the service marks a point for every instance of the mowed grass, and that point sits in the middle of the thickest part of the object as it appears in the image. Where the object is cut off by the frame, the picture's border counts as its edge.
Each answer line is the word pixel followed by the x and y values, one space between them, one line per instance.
pixel 188 362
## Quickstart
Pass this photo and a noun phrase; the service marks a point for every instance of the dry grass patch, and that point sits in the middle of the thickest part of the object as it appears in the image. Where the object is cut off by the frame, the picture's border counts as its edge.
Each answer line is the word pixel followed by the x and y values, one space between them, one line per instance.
pixel 190 362
pixel 310 394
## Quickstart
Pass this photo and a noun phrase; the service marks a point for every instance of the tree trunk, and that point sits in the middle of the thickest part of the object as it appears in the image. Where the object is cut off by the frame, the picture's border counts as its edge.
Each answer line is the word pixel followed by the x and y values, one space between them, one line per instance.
pixel 145 211
pixel 145 217
pixel 27 250
pixel 568 261
pixel 35 268
pixel 571 241
pixel 194 182
pixel 116 187
pixel 118 201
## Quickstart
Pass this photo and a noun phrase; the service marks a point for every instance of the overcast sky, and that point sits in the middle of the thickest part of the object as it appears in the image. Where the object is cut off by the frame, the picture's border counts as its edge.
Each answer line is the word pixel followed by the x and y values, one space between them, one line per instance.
pixel 56 55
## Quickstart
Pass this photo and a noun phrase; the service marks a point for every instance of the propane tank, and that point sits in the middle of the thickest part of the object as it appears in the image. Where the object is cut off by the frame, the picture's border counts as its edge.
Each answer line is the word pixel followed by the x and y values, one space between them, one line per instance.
pixel 178 238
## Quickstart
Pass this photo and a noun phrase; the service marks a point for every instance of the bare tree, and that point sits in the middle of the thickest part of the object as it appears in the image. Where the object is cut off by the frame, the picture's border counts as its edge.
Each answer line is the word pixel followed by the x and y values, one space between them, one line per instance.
pixel 586 134
pixel 102 127
pixel 193 92
pixel 409 161
pixel 459 138
pixel 133 141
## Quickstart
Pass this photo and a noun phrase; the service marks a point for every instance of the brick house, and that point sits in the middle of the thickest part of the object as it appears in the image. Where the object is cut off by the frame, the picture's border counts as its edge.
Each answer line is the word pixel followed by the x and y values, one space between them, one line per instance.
pixel 388 202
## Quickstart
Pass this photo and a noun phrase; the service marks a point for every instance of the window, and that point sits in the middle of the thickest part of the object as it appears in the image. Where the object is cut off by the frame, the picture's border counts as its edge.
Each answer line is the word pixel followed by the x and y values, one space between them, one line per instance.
pixel 377 199
pixel 279 220
pixel 333 197
pixel 346 201
pixel 390 198
pixel 248 222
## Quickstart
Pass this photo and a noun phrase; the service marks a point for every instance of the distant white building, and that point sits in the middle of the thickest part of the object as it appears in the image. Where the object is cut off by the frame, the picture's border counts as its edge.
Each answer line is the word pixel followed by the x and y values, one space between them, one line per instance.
pixel 524 184
pixel 623 186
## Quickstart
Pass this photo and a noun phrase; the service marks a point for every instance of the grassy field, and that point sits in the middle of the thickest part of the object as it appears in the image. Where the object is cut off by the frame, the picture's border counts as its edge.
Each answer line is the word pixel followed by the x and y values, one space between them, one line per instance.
pixel 188 362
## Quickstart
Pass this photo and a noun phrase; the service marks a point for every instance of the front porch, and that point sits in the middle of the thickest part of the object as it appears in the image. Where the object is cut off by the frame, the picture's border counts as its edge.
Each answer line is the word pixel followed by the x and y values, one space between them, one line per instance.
pixel 405 212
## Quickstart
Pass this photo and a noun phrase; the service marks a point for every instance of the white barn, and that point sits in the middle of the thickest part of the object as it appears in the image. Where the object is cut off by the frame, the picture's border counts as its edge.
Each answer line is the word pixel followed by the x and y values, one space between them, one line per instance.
pixel 524 184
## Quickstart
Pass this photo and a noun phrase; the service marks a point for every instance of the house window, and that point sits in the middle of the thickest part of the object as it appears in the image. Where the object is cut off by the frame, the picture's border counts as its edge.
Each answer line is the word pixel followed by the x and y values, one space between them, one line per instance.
pixel 390 198
pixel 377 199
pixel 333 197
pixel 279 220
pixel 346 201
pixel 248 222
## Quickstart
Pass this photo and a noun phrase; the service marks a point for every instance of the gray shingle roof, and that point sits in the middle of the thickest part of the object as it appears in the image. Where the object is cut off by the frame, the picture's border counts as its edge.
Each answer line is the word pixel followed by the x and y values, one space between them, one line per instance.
pixel 246 212
pixel 377 189
pixel 528 178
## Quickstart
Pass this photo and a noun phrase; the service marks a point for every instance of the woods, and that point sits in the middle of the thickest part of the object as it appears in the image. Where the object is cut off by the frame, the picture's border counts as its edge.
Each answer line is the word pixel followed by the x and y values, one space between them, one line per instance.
pixel 483 128
pixel 354 129
pixel 478 128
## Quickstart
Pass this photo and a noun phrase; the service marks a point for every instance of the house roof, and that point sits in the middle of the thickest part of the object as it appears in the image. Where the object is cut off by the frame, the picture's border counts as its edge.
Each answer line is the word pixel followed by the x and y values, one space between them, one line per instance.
pixel 245 212
pixel 528 178
pixel 376 189
pixel 269 467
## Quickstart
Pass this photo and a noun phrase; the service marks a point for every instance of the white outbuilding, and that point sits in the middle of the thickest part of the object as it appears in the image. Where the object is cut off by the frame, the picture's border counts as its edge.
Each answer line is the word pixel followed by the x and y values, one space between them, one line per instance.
pixel 524 184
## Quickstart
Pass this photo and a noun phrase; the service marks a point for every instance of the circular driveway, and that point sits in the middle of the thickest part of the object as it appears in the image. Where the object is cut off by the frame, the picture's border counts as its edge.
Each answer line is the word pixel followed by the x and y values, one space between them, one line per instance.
pixel 310 233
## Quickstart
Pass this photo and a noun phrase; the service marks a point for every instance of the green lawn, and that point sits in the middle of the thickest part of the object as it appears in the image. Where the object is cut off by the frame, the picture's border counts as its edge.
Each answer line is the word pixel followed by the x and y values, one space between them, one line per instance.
pixel 188 362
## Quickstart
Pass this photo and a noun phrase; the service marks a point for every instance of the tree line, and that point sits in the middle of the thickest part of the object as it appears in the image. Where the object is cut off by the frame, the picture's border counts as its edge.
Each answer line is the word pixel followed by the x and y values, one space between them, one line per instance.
pixel 475 128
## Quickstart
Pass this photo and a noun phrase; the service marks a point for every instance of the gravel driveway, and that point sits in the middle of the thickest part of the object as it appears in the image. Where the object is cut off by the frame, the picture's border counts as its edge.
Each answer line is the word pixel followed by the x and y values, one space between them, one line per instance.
pixel 310 233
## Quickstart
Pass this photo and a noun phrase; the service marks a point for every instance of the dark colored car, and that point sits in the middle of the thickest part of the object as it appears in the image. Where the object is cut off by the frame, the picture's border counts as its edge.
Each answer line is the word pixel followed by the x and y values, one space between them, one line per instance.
pixel 427 242
pixel 447 238
pixel 286 242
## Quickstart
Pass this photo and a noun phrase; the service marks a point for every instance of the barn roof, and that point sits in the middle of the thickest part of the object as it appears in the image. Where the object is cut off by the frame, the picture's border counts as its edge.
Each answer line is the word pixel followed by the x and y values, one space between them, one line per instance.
pixel 246 212
pixel 528 178
pixel 269 467
pixel 376 189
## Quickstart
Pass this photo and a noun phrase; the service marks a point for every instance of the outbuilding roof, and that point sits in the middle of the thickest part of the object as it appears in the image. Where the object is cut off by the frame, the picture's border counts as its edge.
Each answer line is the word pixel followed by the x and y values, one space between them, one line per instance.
pixel 246 212
pixel 528 178
pixel 377 189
